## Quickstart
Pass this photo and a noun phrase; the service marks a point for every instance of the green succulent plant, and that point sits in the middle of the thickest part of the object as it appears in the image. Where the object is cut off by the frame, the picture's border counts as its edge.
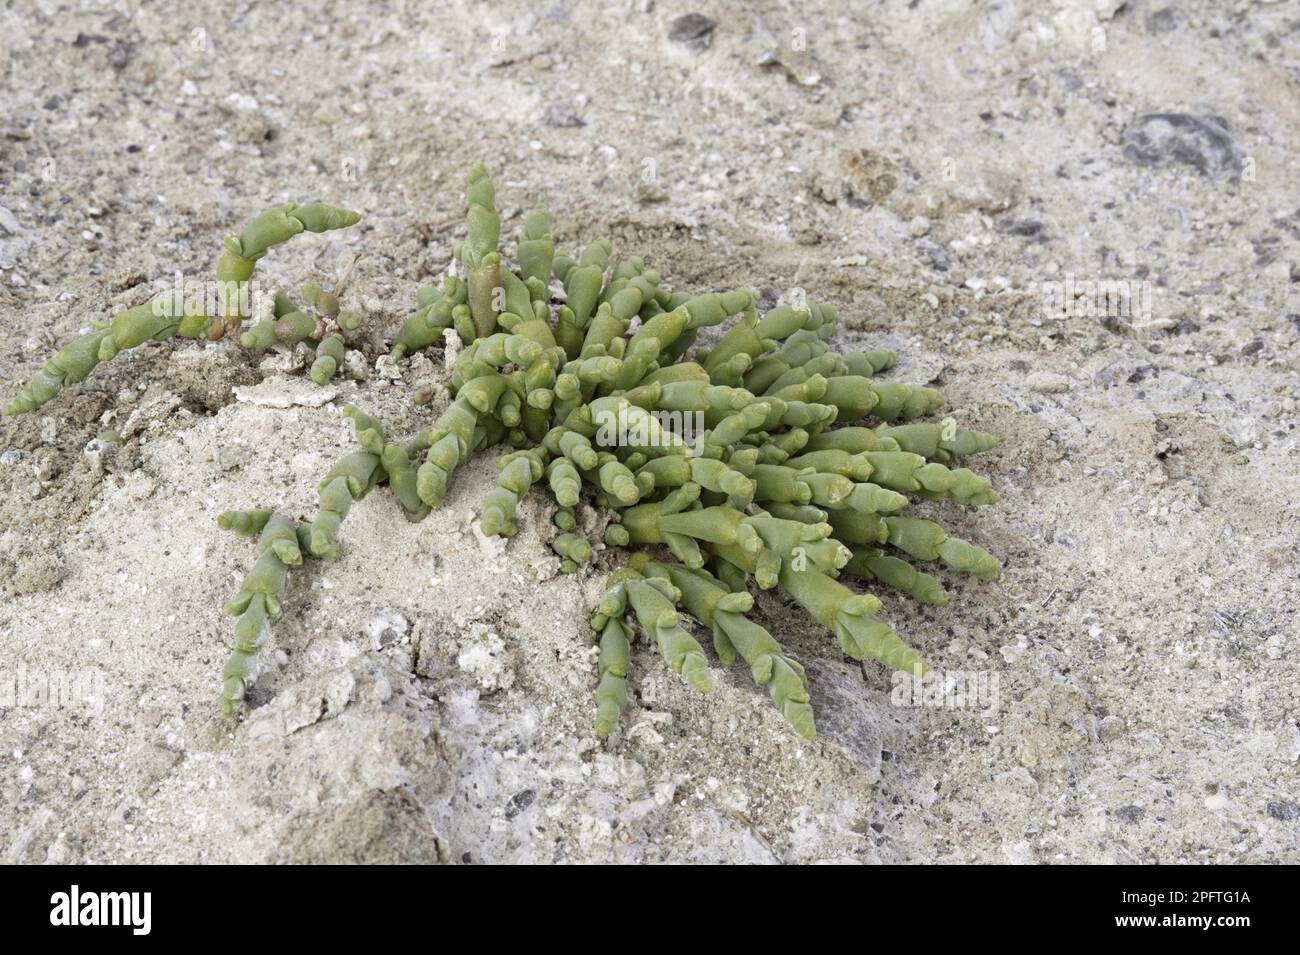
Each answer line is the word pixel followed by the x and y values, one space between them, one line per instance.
pixel 743 460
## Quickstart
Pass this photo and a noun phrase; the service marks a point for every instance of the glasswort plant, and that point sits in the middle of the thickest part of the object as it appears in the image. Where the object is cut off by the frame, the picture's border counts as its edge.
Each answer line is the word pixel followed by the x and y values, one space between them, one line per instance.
pixel 715 467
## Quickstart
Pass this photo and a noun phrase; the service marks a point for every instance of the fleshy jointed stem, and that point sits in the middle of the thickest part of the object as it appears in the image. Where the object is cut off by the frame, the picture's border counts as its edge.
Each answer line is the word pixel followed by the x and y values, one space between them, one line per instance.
pixel 283 543
pixel 165 317
pixel 258 601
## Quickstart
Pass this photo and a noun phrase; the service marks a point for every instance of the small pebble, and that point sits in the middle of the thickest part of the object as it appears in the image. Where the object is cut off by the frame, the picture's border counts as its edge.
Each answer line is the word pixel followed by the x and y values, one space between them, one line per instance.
pixel 1203 142
pixel 1217 803
pixel 1111 728
pixel 1047 383
pixel 1130 814
pixel 693 29
pixel 1284 811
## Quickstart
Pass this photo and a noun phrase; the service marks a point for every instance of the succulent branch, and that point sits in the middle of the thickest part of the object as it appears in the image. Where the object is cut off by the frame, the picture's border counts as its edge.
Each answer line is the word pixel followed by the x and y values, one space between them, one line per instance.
pixel 164 317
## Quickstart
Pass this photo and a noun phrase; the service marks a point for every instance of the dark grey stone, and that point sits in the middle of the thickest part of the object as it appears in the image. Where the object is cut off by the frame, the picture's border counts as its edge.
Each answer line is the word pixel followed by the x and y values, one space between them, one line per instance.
pixel 850 712
pixel 1027 228
pixel 1284 811
pixel 693 29
pixel 519 802
pixel 1203 142
pixel 1164 20
pixel 563 118
pixel 1130 814
pixel 935 254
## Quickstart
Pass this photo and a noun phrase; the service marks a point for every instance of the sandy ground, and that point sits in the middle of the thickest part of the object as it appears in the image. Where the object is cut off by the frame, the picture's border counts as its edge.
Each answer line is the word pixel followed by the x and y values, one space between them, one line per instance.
pixel 930 168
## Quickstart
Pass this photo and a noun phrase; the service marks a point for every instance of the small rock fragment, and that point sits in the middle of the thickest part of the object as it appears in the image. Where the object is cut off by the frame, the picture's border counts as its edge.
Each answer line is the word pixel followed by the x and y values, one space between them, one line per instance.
pixel 1284 811
pixel 386 627
pixel 1047 383
pixel 1217 802
pixel 483 657
pixel 935 254
pixel 563 118
pixel 355 365
pixel 692 29
pixel 649 193
pixel 1203 142
pixel 1030 229
pixel 283 392
pixel 1130 814
pixel 1111 728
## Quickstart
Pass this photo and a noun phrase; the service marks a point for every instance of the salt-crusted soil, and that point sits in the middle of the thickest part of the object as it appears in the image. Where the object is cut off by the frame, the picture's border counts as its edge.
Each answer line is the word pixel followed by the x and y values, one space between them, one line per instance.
pixel 939 171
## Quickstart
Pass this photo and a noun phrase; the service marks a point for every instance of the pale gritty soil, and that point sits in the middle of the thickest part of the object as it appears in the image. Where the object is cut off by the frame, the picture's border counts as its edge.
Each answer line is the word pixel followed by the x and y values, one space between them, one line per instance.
pixel 925 167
